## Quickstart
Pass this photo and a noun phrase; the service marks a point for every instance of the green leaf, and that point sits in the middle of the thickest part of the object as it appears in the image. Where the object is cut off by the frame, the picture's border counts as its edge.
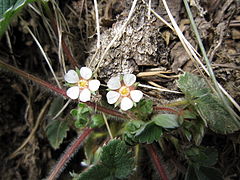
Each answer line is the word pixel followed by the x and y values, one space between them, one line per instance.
pixel 191 173
pixel 97 120
pixel 148 133
pixel 217 117
pixel 166 120
pixel 56 131
pixel 118 158
pixel 209 173
pixel 116 162
pixel 202 156
pixel 130 130
pixel 82 115
pixel 143 109
pixel 208 106
pixel 192 86
pixel 98 171
pixel 9 9
pixel 203 173
pixel 189 115
pixel 133 126
pixel 198 131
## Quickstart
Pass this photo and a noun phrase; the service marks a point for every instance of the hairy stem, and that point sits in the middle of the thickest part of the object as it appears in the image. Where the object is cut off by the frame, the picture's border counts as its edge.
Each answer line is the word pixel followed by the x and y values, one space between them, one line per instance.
pixel 152 151
pixel 158 108
pixel 35 79
pixel 68 154
pixel 57 90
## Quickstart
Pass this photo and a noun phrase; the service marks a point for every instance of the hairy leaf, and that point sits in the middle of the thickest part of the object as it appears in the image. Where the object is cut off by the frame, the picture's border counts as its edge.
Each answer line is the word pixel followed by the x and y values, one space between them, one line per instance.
pixel 56 131
pixel 82 115
pixel 143 109
pixel 97 120
pixel 148 133
pixel 97 171
pixel 203 173
pixel 130 130
pixel 166 120
pixel 192 86
pixel 9 9
pixel 191 174
pixel 209 173
pixel 202 156
pixel 208 106
pixel 116 162
pixel 216 116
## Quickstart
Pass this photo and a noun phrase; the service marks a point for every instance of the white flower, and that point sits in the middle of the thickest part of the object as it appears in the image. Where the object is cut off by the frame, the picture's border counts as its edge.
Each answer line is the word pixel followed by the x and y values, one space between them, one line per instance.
pixel 123 92
pixel 82 85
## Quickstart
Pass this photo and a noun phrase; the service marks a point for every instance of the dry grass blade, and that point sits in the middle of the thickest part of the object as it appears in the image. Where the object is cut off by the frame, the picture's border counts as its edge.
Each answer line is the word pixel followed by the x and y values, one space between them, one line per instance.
pixel 152 73
pixel 220 90
pixel 62 109
pixel 159 89
pixel 44 55
pixel 191 52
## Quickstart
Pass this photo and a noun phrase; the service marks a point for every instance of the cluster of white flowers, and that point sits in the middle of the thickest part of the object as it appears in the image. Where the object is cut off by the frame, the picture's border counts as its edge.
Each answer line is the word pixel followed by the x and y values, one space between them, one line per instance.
pixel 122 88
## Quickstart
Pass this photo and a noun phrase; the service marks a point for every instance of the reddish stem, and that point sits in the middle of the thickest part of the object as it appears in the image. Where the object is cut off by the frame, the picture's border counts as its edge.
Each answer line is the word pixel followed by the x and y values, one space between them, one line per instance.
pixel 58 90
pixel 68 154
pixel 32 78
pixel 105 110
pixel 152 151
pixel 157 108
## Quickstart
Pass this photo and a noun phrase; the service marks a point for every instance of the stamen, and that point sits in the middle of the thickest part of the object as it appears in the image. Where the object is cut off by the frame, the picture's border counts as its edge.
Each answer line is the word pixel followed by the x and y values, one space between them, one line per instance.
pixel 124 91
pixel 82 83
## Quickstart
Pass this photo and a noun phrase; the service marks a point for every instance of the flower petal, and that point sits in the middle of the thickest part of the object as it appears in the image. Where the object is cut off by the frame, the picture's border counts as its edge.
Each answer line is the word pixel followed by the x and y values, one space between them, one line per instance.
pixel 114 83
pixel 112 97
pixel 93 85
pixel 73 92
pixel 71 76
pixel 86 73
pixel 85 95
pixel 126 104
pixel 129 79
pixel 136 95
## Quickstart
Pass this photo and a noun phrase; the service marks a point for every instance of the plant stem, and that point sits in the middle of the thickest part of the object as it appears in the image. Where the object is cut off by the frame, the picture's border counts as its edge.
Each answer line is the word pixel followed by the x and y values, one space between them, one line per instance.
pixel 68 154
pixel 152 151
pixel 58 90
pixel 157 108
pixel 32 78
pixel 105 110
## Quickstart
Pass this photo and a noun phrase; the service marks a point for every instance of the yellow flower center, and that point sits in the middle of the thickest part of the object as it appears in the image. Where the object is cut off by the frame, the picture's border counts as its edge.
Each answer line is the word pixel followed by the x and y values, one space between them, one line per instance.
pixel 124 91
pixel 82 83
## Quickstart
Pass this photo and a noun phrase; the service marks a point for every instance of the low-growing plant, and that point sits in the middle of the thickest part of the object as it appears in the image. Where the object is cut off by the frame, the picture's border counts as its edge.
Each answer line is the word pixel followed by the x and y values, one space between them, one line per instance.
pixel 116 128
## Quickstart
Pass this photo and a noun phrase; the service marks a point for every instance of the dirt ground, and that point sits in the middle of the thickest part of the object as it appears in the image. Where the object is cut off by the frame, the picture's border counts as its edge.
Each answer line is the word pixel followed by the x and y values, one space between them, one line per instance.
pixel 147 45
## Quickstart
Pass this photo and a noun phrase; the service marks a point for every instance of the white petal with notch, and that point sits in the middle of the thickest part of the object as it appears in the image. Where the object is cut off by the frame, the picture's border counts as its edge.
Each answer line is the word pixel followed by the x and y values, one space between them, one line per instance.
pixel 86 73
pixel 85 95
pixel 129 79
pixel 73 92
pixel 126 104
pixel 114 83
pixel 71 76
pixel 93 85
pixel 112 97
pixel 136 95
